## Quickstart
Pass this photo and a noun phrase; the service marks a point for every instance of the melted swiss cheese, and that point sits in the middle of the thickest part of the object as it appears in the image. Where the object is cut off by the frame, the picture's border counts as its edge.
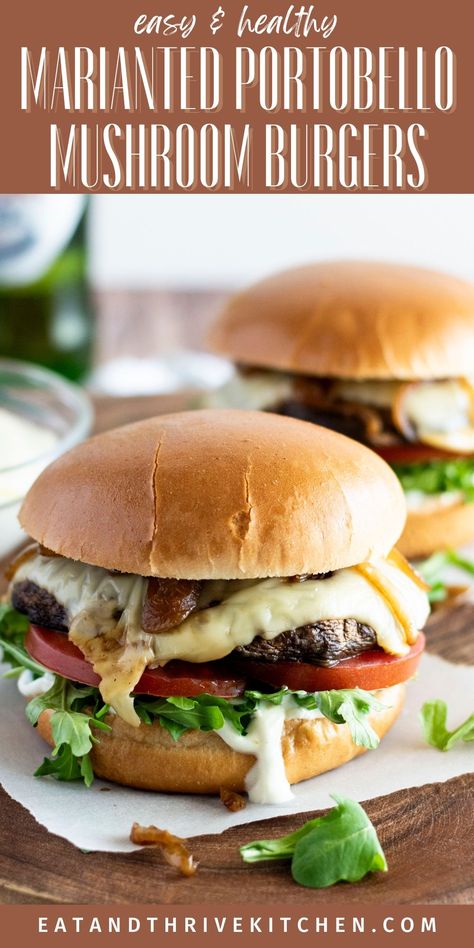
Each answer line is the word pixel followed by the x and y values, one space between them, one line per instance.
pixel 105 615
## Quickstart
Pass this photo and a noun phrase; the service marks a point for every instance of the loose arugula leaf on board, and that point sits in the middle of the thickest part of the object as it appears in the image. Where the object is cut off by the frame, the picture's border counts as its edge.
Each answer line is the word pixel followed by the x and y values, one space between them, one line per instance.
pixel 433 568
pixel 343 846
pixel 261 850
pixel 434 716
pixel 340 846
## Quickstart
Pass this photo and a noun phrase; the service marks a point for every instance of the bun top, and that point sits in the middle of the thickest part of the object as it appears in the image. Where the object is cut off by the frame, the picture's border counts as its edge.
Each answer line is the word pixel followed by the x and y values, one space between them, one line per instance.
pixel 217 494
pixel 354 320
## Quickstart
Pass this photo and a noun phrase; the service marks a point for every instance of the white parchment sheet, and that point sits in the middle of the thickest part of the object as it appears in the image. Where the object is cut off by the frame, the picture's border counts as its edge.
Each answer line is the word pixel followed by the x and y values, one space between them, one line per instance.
pixel 95 820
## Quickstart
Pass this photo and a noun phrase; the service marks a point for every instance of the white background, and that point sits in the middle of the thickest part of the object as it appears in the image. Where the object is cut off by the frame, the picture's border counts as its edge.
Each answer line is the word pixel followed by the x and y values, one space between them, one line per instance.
pixel 213 241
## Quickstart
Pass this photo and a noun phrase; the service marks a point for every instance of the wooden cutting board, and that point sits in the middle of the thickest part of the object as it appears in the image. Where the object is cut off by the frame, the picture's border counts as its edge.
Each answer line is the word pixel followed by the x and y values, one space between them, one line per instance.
pixel 426 832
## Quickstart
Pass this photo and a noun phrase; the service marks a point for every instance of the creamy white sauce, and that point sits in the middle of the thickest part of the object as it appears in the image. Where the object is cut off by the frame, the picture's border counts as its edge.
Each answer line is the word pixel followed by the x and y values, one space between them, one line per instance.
pixel 22 440
pixel 31 687
pixel 266 781
pixel 120 650
pixel 26 448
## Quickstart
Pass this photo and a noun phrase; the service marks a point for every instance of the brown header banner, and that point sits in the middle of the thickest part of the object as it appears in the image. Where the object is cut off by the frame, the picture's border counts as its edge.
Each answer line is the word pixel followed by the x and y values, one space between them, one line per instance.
pixel 227 97
pixel 432 926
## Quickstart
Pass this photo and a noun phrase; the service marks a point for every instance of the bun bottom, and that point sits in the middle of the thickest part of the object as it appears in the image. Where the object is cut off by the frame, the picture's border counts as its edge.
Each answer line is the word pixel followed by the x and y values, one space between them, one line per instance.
pixel 200 762
pixel 436 528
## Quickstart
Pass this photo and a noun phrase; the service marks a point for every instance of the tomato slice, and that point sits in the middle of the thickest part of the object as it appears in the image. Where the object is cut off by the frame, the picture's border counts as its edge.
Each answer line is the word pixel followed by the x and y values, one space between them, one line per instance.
pixel 415 453
pixel 58 654
pixel 369 670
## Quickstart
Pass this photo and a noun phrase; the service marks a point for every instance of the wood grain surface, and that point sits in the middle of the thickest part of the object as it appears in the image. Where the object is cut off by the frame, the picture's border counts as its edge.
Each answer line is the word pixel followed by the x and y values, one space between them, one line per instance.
pixel 426 832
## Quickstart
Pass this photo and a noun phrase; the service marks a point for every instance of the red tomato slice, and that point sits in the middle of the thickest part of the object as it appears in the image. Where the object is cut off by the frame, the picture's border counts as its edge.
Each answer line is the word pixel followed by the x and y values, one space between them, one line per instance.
pixel 369 670
pixel 416 453
pixel 58 654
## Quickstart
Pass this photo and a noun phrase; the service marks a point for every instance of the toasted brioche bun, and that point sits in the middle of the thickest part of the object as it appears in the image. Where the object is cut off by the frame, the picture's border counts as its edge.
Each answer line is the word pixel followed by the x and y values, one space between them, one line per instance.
pixel 217 495
pixel 437 528
pixel 357 320
pixel 200 762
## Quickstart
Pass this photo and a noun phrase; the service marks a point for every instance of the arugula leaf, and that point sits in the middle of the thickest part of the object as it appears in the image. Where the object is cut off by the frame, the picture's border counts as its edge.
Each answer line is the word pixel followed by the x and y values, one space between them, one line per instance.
pixel 13 626
pixel 341 845
pixel 87 772
pixel 70 727
pixel 54 699
pixel 186 713
pixel 208 712
pixel 436 477
pixel 433 716
pixel 19 658
pixel 12 623
pixel 352 706
pixel 262 850
pixel 65 766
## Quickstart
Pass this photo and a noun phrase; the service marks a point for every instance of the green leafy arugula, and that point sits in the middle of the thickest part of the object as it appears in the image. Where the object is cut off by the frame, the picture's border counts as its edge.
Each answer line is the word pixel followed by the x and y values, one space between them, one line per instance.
pixel 433 568
pixel 13 626
pixel 340 846
pixel 436 477
pixel 71 728
pixel 434 715
pixel 72 717
pixel 209 713
pixel 79 711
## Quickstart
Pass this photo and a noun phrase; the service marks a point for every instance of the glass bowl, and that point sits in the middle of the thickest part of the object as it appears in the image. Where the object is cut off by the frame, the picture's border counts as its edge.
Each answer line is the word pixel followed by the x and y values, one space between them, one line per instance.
pixel 42 415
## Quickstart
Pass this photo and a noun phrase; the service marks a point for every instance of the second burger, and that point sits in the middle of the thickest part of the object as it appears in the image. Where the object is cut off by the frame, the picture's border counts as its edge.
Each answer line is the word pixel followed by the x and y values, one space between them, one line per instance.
pixel 381 352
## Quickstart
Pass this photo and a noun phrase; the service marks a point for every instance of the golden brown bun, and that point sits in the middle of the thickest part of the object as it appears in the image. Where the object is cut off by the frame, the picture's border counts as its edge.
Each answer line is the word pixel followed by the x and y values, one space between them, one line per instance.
pixel 356 319
pixel 217 494
pixel 427 531
pixel 200 762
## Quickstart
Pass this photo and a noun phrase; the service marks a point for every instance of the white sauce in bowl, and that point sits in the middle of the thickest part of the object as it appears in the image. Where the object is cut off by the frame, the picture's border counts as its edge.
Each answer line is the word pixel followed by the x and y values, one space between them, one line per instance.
pixel 26 449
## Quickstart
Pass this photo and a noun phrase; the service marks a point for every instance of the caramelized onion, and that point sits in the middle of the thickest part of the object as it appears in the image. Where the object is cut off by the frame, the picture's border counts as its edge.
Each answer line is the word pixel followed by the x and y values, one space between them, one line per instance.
pixel 320 398
pixel 174 849
pixel 232 800
pixel 168 602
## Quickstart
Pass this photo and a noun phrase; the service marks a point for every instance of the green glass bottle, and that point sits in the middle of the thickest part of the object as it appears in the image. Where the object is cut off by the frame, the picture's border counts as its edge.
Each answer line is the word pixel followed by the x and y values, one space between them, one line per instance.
pixel 46 311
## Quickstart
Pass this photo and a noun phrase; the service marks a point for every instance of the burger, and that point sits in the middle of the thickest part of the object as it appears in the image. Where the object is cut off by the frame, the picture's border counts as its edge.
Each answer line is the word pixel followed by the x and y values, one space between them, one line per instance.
pixel 380 352
pixel 213 600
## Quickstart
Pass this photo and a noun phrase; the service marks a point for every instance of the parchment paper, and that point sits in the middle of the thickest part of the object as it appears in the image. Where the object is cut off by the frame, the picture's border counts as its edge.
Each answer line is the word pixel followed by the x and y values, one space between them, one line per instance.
pixel 97 820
